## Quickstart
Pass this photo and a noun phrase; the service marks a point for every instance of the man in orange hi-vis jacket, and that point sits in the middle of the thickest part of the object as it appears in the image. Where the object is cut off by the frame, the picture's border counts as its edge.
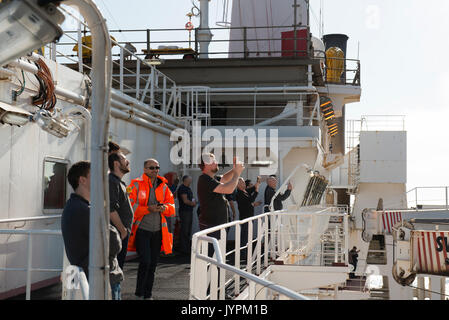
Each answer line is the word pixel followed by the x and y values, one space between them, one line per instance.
pixel 152 202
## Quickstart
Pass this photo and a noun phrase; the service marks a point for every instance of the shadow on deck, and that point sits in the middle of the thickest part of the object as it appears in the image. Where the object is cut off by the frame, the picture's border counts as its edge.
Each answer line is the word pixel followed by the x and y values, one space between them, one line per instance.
pixel 171 281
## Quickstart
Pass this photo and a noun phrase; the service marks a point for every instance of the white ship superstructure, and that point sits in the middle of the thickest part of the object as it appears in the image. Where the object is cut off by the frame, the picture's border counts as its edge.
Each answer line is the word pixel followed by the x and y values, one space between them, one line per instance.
pixel 274 79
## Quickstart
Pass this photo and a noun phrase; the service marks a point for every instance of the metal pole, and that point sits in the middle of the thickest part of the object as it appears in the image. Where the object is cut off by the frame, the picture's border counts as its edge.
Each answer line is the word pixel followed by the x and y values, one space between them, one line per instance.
pixel 121 68
pixel 148 41
pixel 446 200
pixel 204 33
pixel 336 245
pixel 416 199
pixel 99 287
pixel 29 266
pixel 80 49
pixel 295 6
pixel 137 79
pixel 245 47
pixel 345 221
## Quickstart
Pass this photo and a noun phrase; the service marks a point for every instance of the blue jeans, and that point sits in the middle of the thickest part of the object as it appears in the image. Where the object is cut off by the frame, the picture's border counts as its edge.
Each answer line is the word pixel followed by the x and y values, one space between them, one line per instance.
pixel 115 290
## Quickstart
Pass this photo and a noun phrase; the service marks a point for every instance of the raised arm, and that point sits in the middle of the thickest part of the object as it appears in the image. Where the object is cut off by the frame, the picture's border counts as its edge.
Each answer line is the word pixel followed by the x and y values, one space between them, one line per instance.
pixel 229 187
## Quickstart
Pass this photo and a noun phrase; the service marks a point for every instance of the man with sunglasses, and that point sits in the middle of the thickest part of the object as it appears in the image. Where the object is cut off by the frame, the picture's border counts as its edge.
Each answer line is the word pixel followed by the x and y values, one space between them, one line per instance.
pixel 152 202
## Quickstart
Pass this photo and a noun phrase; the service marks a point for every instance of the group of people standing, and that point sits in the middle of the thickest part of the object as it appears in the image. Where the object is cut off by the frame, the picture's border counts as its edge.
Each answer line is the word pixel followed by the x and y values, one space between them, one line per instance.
pixel 138 222
pixel 139 213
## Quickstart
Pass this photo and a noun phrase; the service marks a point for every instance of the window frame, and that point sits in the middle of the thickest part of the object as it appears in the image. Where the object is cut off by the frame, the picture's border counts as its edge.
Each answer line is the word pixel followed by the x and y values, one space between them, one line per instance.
pixel 55 160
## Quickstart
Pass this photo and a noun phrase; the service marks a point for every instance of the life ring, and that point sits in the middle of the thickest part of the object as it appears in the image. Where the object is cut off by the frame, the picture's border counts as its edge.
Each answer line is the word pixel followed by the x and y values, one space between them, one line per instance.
pixel 189 25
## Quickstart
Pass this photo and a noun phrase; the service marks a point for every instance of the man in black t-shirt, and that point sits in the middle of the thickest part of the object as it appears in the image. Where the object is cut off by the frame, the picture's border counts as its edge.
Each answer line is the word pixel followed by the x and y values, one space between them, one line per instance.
pixel 186 205
pixel 211 192
pixel 121 211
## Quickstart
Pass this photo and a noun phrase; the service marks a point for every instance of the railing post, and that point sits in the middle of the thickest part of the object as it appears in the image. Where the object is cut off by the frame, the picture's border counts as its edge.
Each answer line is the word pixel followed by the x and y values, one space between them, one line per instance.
pixel 121 68
pixel 80 49
pixel 29 266
pixel 148 42
pixel 249 249
pixel 245 47
pixel 237 259
pixel 196 43
pixel 137 79
pixel 345 221
pixel 259 245
pixel 222 279
pixel 295 6
pixel 447 203
pixel 152 77
pixel 266 242
pixel 416 199
pixel 336 244
pixel 164 95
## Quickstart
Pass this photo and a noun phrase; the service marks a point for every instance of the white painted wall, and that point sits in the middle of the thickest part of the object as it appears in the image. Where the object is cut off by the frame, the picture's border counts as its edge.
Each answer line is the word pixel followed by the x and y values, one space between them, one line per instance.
pixel 22 153
pixel 251 13
pixel 383 157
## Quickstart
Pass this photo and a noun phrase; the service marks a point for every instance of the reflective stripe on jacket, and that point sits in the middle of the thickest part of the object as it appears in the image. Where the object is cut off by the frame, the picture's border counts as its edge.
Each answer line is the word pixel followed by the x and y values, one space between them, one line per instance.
pixel 139 194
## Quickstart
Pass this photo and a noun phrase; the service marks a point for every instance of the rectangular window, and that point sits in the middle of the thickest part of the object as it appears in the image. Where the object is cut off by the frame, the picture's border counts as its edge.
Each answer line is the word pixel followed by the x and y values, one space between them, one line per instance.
pixel 55 185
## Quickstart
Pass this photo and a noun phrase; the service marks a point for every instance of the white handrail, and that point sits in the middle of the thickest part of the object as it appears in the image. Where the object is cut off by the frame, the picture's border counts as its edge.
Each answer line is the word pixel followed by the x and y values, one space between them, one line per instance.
pixel 219 263
pixel 277 242
pixel 30 219
pixel 29 267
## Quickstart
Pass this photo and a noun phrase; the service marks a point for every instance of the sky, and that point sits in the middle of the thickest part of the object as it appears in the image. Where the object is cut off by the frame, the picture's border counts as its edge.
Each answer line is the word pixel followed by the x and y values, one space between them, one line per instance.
pixel 403 45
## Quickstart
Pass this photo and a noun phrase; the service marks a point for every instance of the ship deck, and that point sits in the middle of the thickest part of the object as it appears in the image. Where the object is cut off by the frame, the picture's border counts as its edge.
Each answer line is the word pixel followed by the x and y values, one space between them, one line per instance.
pixel 171 281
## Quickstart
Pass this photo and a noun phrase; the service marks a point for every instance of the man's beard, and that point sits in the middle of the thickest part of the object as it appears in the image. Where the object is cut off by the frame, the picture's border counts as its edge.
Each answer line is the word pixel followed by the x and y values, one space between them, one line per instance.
pixel 215 170
pixel 124 170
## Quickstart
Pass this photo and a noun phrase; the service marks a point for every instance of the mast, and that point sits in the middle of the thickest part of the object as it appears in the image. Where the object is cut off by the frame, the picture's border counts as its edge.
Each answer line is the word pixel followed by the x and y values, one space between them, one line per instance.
pixel 204 34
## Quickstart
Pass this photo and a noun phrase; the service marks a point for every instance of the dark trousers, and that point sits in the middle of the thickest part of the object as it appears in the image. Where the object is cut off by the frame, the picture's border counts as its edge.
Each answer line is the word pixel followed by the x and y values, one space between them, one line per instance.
pixel 186 230
pixel 122 254
pixel 148 247
pixel 352 274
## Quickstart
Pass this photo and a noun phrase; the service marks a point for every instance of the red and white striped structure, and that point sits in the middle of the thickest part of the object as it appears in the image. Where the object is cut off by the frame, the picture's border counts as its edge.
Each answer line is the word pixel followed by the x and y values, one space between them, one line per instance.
pixel 429 252
pixel 389 219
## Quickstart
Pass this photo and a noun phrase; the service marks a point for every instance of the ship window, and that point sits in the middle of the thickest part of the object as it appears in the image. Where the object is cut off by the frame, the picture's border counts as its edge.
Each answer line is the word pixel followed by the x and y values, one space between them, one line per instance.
pixel 55 185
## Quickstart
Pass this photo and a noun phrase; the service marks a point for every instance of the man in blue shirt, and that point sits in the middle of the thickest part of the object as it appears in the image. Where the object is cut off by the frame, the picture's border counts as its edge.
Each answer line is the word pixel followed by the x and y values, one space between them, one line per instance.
pixel 75 217
pixel 186 205
pixel 75 225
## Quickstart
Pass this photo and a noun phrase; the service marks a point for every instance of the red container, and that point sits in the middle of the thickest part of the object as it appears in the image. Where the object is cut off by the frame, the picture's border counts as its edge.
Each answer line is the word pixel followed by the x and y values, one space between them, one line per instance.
pixel 288 43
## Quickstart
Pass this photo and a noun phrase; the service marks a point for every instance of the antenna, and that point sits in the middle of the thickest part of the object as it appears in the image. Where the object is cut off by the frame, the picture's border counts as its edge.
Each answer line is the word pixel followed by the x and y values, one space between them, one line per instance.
pixel 321 18
pixel 358 50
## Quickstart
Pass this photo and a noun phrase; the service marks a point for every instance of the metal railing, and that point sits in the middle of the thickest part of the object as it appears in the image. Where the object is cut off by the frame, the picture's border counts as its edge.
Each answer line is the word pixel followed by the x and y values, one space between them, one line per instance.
pixel 272 236
pixel 366 123
pixel 29 263
pixel 350 73
pixel 30 233
pixel 371 123
pixel 143 82
pixel 249 42
pixel 428 198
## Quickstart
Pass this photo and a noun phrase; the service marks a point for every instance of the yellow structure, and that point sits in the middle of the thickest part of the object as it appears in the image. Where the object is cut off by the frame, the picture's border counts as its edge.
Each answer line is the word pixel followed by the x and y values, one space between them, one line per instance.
pixel 335 62
pixel 87 46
